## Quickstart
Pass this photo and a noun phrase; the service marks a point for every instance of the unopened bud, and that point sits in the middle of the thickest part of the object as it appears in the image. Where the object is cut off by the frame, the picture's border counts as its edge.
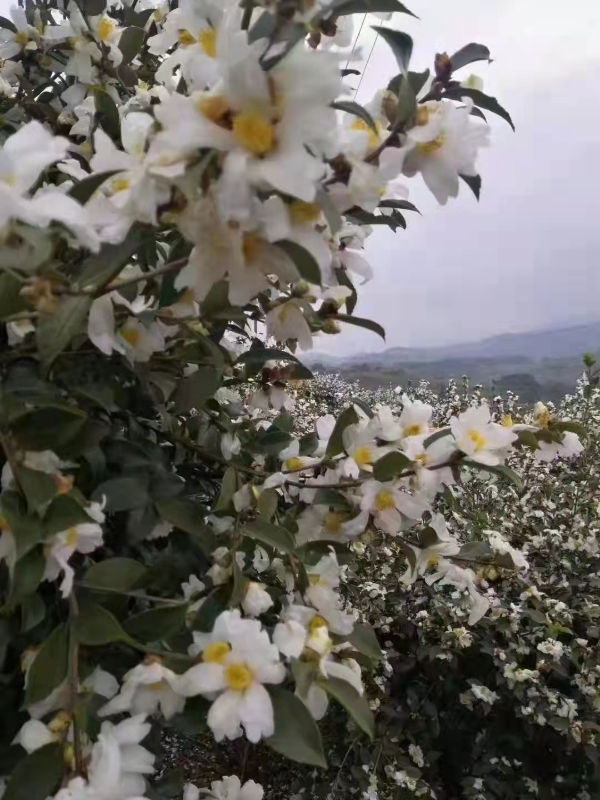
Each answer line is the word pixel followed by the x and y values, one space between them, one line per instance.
pixel 389 106
pixel 443 66
pixel 40 295
pixel 331 326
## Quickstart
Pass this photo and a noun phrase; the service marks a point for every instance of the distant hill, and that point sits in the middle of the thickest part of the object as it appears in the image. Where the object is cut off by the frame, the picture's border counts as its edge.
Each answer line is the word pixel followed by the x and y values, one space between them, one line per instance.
pixel 536 365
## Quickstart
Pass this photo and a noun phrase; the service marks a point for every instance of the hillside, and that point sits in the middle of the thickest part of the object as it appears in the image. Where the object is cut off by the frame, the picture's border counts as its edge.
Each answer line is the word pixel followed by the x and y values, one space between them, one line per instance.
pixel 538 364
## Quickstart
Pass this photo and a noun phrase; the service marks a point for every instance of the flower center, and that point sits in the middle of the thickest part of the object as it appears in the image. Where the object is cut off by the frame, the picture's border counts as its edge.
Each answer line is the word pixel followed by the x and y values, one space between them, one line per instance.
pixel 214 107
pixel 254 132
pixel 433 561
pixel 300 211
pixel 105 28
pixel 119 185
pixel 21 38
pixel 361 125
pixel 251 247
pixel 333 524
pixel 294 464
pixel 71 537
pixel 157 686
pixel 478 439
pixel 363 456
pixel 216 652
pixel 412 430
pixel 208 41
pixel 132 336
pixel 507 421
pixel 385 500
pixel 185 38
pixel 433 146
pixel 239 676
pixel 317 622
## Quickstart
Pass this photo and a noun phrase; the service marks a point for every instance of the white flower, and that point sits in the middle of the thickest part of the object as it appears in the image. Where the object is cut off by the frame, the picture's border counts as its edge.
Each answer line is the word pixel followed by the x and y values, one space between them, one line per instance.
pixel 443 544
pixel 463 579
pixel 321 522
pixel 430 475
pixel 229 788
pixel 569 447
pixel 140 341
pixel 415 417
pixel 416 754
pixel 26 36
pixel 324 579
pixel 361 447
pixel 146 688
pixel 23 157
pixel 286 321
pixel 230 445
pixel 552 647
pixel 256 599
pixel 236 662
pixel 483 693
pixel 35 734
pixel 82 538
pixel 261 560
pixel 501 546
pixel 479 438
pixel 444 145
pixel 388 503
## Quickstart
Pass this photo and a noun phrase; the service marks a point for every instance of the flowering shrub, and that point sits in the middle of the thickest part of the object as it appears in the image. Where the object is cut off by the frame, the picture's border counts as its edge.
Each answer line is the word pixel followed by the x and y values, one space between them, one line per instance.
pixel 184 195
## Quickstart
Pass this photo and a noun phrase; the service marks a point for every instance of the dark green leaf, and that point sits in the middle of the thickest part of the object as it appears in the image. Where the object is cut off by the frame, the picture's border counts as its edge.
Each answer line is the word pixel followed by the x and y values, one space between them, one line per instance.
pixel 187 515
pixel 38 488
pixel 267 503
pixel 528 439
pixel 239 584
pixel 336 442
pixel 96 626
pixel 85 188
pixel 48 428
pixel 303 261
pixel 33 611
pixel 390 465
pixel 100 269
pixel 55 331
pixel 273 441
pixel 572 427
pixel 26 529
pixel 27 574
pixel 308 443
pixel 11 301
pixel 350 107
pixel 401 44
pixel 474 183
pixel 332 498
pixel 346 7
pixel 468 54
pixel 214 604
pixel 156 624
pixel 64 512
pixel 435 436
pixel 127 76
pixel 229 486
pixel 364 640
pixel 362 323
pixel 50 666
pixel 344 280
pixel 296 733
pixel 115 573
pixel 475 551
pixel 123 494
pixel 352 701
pixel 272 535
pixel 107 114
pixel 93 7
pixel 403 204
pixel 195 390
pixel 37 776
pixel 6 23
pixel 131 42
pixel 501 470
pixel 482 100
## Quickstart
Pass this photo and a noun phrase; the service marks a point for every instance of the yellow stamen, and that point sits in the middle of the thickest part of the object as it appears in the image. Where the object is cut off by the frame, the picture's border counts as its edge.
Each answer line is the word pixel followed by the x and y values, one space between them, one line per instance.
pixel 185 38
pixel 385 500
pixel 214 107
pixel 71 537
pixel 412 430
pixel 433 146
pixel 301 211
pixel 208 41
pixel 216 652
pixel 478 439
pixel 60 723
pixel 374 138
pixel 105 29
pixel 132 336
pixel 21 37
pixel 251 247
pixel 317 622
pixel 157 686
pixel 507 421
pixel 433 561
pixel 332 523
pixel 294 464
pixel 239 676
pixel 254 132
pixel 119 185
pixel 363 456
pixel 422 115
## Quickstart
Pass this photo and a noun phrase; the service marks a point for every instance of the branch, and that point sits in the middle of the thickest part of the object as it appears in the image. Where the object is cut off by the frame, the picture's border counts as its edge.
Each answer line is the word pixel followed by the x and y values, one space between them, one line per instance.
pixel 73 679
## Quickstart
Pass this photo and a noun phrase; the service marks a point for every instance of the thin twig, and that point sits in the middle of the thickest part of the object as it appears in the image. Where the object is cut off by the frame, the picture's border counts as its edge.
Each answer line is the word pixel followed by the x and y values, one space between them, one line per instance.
pixel 166 269
pixel 74 682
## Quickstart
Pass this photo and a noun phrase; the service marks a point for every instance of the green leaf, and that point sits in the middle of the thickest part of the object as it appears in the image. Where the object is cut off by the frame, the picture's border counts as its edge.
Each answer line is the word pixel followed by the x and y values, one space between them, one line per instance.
pixel 38 776
pixel 332 498
pixel 38 488
pixel 468 54
pixel 156 624
pixel 352 701
pixel 195 390
pixel 214 604
pixel 501 470
pixel 308 443
pixel 33 611
pixel 364 640
pixel 11 301
pixel 55 331
pixel 346 7
pixel 401 44
pixel 96 626
pixel 100 269
pixel 403 204
pixel 27 530
pixel 272 535
pixel 435 436
pixel 239 584
pixel 115 573
pixel 27 574
pixel 272 441
pixel 107 114
pixel 267 503
pixel 127 76
pixel 474 183
pixel 323 198
pixel 390 465
pixel 368 324
pixel 64 512
pixel 482 100
pixel 85 188
pixel 229 486
pixel 572 427
pixel 475 551
pixel 296 733
pixel 187 516
pixel 50 666
pixel 131 42
pixel 303 261
pixel 93 7
pixel 304 673
pixel 257 356
pixel 336 442
pixel 124 493
pixel 49 428
pixel 350 107
pixel 528 439
pixel 6 23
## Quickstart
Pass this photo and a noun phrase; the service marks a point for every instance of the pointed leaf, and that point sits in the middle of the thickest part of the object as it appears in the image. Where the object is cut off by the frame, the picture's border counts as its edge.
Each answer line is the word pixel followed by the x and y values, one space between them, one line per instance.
pixel 350 107
pixel 131 42
pixel 55 331
pixel 85 188
pixel 50 666
pixel 38 775
pixel 336 442
pixel 368 324
pixel 401 44
pixel 195 390
pixel 296 733
pixel 364 640
pixel 482 100
pixel 473 182
pixel 271 535
pixel 390 465
pixel 501 470
pixel 156 624
pixel 303 261
pixel 468 54
pixel 353 702
pixel 346 7
pixel 115 573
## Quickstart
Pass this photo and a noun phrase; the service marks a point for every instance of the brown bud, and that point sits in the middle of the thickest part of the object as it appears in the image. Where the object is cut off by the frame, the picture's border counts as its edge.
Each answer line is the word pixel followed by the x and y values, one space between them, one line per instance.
pixel 389 106
pixel 443 67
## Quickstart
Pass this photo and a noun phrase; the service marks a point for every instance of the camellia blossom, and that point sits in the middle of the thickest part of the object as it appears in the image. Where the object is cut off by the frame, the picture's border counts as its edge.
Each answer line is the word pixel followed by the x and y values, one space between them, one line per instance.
pixel 229 788
pixel 388 503
pixel 83 538
pixel 479 438
pixel 148 687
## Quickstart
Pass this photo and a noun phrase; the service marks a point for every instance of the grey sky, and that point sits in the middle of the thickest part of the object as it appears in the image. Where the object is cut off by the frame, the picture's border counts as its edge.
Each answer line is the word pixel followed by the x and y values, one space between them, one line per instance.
pixel 526 256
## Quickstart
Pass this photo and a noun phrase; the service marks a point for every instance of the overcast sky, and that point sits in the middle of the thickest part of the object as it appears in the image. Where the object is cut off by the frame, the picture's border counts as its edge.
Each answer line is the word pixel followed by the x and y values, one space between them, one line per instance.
pixel 528 255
